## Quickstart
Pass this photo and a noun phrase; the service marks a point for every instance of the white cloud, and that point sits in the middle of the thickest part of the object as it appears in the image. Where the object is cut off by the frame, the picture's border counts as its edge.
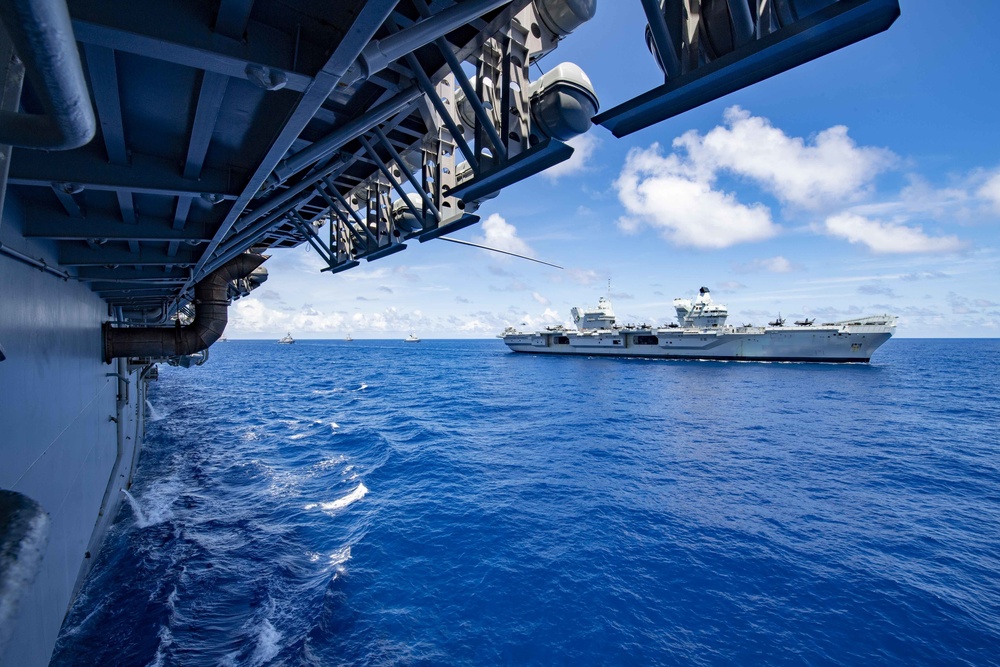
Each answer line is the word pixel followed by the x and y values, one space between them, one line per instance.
pixel 500 234
pixel 831 168
pixel 770 265
pixel 585 277
pixel 677 193
pixel 584 146
pixel 677 197
pixel 990 191
pixel 888 237
pixel 540 299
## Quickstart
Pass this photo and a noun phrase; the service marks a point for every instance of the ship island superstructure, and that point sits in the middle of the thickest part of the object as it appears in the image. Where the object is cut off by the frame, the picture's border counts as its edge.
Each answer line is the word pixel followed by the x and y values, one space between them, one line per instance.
pixel 701 332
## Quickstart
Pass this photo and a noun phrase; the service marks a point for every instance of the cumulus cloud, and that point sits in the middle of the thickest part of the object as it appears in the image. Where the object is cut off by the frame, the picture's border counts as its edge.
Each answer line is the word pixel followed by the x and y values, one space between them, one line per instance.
pixel 584 146
pixel 676 196
pixel 500 234
pixel 888 237
pixel 990 191
pixel 829 168
pixel 255 316
pixel 540 299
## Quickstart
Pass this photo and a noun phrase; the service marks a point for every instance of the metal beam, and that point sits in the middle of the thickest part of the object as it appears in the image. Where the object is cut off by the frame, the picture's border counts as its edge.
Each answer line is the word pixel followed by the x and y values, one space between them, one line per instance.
pixel 104 84
pixel 103 273
pixel 55 226
pixel 64 193
pixel 833 27
pixel 73 255
pixel 213 89
pixel 145 175
pixel 198 50
pixel 370 18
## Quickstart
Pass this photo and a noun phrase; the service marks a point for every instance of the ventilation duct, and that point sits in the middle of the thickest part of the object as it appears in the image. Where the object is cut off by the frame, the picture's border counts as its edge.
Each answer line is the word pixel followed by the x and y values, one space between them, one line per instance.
pixel 211 299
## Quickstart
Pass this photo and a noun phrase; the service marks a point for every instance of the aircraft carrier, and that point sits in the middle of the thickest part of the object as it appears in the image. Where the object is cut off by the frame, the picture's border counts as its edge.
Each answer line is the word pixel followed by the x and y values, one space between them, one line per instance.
pixel 701 332
pixel 153 153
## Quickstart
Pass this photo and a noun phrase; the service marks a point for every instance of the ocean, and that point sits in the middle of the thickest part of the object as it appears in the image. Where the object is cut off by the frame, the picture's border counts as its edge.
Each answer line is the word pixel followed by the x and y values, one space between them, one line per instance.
pixel 452 503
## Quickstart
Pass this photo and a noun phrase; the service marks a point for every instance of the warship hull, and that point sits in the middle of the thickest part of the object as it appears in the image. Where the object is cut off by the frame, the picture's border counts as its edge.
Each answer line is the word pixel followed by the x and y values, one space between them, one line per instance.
pixel 830 345
pixel 72 432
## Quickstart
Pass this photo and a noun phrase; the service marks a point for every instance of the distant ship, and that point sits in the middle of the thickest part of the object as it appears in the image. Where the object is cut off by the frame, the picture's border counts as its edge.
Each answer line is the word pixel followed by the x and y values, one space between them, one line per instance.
pixel 348 338
pixel 701 333
pixel 411 339
pixel 287 340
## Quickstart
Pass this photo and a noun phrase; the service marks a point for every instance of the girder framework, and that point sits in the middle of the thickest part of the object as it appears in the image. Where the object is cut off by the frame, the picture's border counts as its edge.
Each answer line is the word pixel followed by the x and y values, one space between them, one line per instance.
pixel 354 126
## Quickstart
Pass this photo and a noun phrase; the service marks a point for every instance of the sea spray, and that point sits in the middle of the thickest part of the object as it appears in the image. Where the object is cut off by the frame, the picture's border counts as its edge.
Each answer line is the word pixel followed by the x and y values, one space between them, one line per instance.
pixel 153 414
pixel 140 518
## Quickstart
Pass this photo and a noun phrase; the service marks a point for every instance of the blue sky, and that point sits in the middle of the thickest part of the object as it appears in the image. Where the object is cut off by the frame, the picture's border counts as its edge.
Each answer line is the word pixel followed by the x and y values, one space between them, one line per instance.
pixel 865 182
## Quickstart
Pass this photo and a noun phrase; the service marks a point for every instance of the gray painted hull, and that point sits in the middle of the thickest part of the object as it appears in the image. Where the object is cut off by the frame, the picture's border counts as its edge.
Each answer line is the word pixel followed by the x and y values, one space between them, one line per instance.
pixel 71 434
pixel 819 344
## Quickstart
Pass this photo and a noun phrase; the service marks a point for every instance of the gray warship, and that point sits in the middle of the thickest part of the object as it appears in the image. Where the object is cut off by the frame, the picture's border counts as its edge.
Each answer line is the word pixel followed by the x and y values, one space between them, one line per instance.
pixel 701 332
pixel 153 154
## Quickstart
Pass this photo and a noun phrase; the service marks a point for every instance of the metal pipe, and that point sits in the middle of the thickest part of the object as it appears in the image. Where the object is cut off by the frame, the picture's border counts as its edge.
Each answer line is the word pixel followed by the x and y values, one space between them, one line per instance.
pixel 211 298
pixel 43 37
pixel 31 261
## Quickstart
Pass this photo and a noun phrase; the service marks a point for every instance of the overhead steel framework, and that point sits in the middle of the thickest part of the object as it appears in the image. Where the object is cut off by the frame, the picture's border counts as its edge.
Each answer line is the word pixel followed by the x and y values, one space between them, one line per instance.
pixel 356 126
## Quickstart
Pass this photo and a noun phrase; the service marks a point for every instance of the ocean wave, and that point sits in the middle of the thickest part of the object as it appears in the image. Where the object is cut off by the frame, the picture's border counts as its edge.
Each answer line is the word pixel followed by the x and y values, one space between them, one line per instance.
pixel 340 503
pixel 268 643
pixel 328 392
pixel 339 557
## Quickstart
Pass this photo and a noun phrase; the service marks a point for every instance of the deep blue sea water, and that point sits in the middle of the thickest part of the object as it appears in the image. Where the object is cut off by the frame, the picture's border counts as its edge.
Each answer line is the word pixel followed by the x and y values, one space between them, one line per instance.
pixel 452 503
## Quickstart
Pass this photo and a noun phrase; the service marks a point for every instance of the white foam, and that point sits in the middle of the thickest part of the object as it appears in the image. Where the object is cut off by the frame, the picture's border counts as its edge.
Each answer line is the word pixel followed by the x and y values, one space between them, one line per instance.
pixel 140 517
pixel 341 503
pixel 152 413
pixel 157 502
pixel 334 426
pixel 339 557
pixel 298 436
pixel 330 462
pixel 327 392
pixel 166 640
pixel 363 386
pixel 268 644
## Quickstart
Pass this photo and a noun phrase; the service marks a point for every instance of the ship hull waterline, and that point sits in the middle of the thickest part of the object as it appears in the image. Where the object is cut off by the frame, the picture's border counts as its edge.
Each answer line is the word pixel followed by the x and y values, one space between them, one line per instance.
pixel 773 346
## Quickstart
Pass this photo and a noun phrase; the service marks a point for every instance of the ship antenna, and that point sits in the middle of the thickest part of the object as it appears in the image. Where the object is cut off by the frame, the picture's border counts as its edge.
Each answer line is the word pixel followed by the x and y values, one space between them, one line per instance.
pixel 503 252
